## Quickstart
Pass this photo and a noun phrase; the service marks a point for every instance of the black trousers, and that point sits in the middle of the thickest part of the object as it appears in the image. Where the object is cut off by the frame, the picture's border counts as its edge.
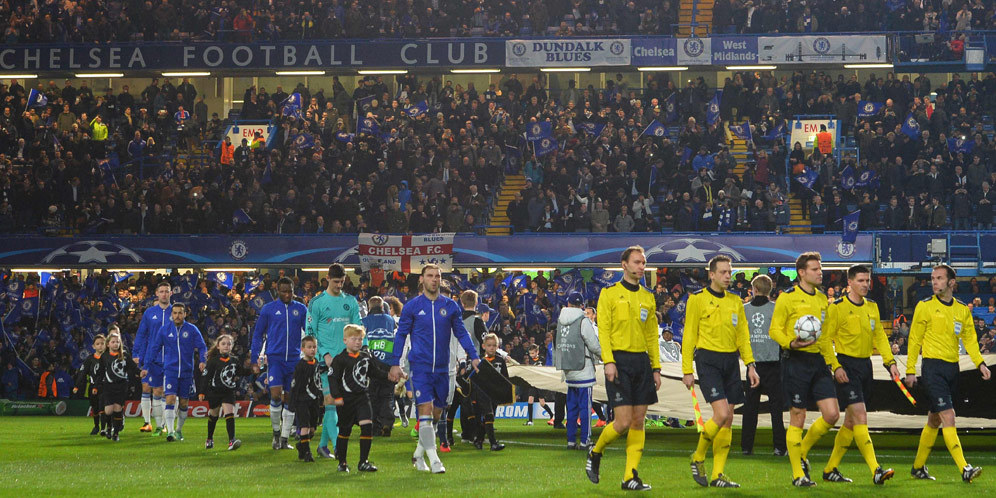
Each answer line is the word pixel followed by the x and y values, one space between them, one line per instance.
pixel 559 408
pixel 382 402
pixel 770 373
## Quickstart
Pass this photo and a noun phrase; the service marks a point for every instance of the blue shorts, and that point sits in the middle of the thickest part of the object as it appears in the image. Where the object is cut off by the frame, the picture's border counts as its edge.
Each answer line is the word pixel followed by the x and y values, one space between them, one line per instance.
pixel 280 373
pixel 431 387
pixel 155 376
pixel 178 386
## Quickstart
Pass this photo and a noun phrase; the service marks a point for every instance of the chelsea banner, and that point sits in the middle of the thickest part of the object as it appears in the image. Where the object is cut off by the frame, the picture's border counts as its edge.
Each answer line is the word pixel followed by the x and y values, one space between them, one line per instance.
pixel 405 253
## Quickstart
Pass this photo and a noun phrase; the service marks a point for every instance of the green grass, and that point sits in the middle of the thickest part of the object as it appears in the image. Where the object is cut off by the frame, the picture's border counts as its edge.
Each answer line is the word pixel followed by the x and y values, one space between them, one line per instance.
pixel 56 456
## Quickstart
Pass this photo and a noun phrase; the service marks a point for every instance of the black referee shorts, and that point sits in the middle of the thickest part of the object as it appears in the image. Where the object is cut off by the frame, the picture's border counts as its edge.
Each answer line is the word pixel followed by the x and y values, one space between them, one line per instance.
pixel 806 378
pixel 634 384
pixel 719 376
pixel 941 380
pixel 859 380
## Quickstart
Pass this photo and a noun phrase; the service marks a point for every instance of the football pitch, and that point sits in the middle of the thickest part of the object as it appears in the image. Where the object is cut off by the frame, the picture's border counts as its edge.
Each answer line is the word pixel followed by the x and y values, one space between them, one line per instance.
pixel 56 456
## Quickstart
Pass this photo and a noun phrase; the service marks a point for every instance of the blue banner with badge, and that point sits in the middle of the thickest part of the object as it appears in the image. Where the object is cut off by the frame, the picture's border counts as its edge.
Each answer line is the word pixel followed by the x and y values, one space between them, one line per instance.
pixel 320 250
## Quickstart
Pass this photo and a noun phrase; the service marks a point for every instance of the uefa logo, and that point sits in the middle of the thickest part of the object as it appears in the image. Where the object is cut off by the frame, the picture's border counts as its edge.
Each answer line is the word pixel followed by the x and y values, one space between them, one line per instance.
pixel 238 250
pixel 518 49
pixel 616 48
pixel 821 45
pixel 693 47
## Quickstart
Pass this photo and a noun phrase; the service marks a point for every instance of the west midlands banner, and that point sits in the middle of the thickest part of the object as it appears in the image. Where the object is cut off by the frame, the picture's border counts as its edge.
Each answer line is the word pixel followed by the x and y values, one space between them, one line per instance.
pixel 405 253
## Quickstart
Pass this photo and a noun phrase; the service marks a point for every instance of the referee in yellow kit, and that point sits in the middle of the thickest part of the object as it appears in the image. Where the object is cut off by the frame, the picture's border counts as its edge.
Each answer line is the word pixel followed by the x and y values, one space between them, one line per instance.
pixel 939 322
pixel 853 327
pixel 716 335
pixel 627 332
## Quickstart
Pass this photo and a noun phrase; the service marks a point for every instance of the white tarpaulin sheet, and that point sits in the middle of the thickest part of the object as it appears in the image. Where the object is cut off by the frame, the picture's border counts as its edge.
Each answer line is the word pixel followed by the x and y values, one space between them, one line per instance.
pixel 821 49
pixel 674 399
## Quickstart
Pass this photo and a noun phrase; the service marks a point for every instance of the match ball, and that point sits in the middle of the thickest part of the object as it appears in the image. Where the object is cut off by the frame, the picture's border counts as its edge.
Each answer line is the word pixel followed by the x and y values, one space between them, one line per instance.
pixel 808 327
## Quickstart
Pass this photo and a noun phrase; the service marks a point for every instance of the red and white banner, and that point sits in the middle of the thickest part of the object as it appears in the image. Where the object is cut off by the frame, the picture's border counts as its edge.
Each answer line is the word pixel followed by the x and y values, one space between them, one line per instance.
pixel 199 409
pixel 405 253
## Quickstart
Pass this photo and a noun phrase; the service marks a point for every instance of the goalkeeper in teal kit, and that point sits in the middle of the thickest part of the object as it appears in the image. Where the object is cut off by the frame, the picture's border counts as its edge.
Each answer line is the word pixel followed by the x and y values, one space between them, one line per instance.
pixel 328 313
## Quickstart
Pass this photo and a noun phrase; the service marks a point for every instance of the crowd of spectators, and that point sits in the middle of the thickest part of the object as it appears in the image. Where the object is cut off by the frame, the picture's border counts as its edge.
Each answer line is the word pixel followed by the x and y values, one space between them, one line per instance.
pixel 522 313
pixel 439 170
pixel 54 21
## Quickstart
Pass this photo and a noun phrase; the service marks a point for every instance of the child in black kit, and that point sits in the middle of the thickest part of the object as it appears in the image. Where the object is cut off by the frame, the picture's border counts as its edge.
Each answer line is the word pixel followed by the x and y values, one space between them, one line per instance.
pixel 483 403
pixel 218 382
pixel 348 381
pixel 89 378
pixel 119 370
pixel 306 396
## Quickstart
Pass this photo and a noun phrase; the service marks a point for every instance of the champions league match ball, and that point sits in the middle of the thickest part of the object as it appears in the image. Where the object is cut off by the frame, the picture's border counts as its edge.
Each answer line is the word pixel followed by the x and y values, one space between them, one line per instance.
pixel 808 327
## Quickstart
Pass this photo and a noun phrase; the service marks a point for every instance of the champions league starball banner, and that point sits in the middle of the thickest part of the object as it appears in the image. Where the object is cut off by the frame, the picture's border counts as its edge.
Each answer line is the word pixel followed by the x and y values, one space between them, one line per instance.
pixel 568 52
pixel 156 251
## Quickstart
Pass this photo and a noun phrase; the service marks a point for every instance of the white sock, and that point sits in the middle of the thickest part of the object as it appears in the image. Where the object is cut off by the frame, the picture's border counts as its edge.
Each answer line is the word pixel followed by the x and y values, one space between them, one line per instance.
pixel 182 417
pixel 170 417
pixel 157 410
pixel 275 412
pixel 288 423
pixel 427 439
pixel 146 406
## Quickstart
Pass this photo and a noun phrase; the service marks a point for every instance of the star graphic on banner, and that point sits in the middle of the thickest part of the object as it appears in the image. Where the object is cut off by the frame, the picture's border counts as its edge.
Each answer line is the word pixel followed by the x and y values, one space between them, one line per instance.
pixel 421 261
pixel 689 253
pixel 92 255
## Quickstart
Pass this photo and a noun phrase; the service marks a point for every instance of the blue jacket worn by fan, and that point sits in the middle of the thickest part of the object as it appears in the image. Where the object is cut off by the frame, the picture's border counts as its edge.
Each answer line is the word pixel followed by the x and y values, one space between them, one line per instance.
pixel 281 325
pixel 177 345
pixel 430 325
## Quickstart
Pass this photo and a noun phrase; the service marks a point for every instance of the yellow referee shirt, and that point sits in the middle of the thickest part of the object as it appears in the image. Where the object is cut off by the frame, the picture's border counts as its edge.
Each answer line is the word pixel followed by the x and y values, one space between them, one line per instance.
pixel 792 305
pixel 937 326
pixel 627 321
pixel 714 322
pixel 854 329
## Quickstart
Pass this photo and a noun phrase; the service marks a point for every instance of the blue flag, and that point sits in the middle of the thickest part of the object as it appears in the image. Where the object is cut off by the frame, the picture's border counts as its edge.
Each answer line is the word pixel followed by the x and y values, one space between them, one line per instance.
pixel 291 106
pixel 303 141
pixel 538 131
pixel 252 283
pixel 742 131
pixel 240 217
pixel 655 129
pixel 36 99
pixel 848 179
pixel 911 128
pixel 570 281
pixel 867 178
pixel 486 289
pixel 867 109
pixel 343 136
pixel 516 281
pixel 121 276
pixel 776 132
pixel 513 158
pixel 368 126
pixel 545 146
pixel 364 105
pixel 592 128
pixel 226 279
pixel 807 178
pixel 712 112
pixel 671 108
pixel 30 307
pixel 956 145
pixel 851 227
pixel 417 109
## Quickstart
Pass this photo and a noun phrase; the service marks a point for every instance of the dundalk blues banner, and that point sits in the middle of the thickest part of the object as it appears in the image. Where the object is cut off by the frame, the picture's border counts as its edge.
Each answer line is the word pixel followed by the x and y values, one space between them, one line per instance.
pixel 405 253
pixel 568 52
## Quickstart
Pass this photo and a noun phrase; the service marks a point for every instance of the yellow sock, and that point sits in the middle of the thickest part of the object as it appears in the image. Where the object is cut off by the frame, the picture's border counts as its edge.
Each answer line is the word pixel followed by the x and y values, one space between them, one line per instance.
pixel 954 446
pixel 927 438
pixel 634 450
pixel 865 446
pixel 840 445
pixel 705 440
pixel 793 439
pixel 721 450
pixel 608 435
pixel 813 435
